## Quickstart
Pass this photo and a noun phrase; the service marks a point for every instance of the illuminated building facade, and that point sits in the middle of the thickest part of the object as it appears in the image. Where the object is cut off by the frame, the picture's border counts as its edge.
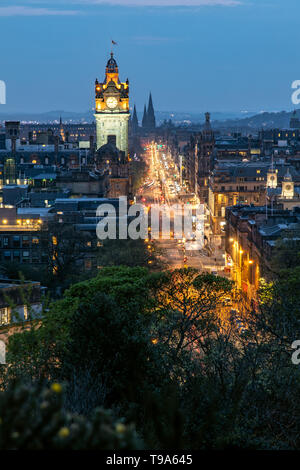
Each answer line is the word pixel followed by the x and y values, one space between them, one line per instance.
pixel 19 236
pixel 112 108
pixel 251 234
pixel 246 183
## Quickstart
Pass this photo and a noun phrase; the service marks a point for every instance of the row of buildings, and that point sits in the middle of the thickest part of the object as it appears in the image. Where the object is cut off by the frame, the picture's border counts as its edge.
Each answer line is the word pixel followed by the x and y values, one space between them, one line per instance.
pixel 250 186
pixel 251 237
pixel 53 179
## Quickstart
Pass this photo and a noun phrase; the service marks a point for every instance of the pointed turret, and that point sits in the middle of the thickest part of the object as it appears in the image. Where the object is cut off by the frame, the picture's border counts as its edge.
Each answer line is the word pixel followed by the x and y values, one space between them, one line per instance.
pixel 150 114
pixel 145 119
pixel 288 176
pixel 61 130
pixel 134 121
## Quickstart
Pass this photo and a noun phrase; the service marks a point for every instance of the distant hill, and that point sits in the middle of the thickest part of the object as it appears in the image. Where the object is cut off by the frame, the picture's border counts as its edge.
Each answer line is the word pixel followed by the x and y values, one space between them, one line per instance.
pixel 49 117
pixel 280 120
pixel 234 120
pixel 88 116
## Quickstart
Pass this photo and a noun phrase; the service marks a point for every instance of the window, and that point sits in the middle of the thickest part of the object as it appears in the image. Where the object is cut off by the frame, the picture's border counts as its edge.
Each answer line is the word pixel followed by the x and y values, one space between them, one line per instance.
pixel 25 242
pixel 5 241
pixel 7 255
pixel 88 264
pixel 25 312
pixel 16 241
pixel 4 317
pixel 35 240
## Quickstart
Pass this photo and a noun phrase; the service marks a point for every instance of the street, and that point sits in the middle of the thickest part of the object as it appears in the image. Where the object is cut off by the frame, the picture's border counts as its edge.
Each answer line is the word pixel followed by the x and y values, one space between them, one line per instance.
pixel 163 185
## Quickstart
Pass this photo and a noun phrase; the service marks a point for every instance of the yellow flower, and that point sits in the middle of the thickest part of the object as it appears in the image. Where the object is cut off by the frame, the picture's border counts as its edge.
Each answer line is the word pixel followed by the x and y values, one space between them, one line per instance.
pixel 56 388
pixel 64 432
pixel 120 428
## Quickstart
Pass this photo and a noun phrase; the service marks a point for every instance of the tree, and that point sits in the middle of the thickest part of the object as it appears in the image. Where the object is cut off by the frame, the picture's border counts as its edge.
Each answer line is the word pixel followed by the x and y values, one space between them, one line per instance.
pixel 64 249
pixel 154 347
pixel 138 170
pixel 129 253
pixel 188 304
pixel 34 418
pixel 286 254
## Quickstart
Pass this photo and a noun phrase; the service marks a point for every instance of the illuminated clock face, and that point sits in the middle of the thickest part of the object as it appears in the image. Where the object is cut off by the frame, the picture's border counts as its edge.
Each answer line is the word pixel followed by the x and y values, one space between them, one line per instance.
pixel 111 102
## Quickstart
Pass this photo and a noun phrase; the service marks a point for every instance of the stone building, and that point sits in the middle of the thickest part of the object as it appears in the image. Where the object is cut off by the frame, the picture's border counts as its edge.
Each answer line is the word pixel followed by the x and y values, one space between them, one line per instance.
pixel 112 108
pixel 251 233
pixel 242 183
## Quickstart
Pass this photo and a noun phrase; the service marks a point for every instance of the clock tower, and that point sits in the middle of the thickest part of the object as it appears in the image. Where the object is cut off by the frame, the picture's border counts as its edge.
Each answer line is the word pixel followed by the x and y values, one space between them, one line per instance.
pixel 287 190
pixel 112 108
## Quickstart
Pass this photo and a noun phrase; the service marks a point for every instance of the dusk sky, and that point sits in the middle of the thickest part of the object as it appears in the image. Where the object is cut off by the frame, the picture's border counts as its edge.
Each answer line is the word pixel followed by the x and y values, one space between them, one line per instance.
pixel 194 55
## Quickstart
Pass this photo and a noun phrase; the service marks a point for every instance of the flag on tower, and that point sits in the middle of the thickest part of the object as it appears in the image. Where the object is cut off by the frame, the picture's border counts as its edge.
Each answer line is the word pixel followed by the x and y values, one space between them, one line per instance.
pixel 114 43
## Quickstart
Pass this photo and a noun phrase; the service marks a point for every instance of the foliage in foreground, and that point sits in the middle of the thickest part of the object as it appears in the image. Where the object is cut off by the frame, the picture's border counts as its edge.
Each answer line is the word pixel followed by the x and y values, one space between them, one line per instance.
pixel 153 348
pixel 33 418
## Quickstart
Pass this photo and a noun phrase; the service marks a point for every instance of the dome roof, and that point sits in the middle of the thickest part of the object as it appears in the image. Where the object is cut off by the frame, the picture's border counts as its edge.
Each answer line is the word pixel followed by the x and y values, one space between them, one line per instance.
pixel 112 66
pixel 109 150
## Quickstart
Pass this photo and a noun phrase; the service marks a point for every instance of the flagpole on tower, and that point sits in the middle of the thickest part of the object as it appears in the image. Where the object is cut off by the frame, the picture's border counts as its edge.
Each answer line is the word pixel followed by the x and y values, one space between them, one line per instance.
pixel 113 43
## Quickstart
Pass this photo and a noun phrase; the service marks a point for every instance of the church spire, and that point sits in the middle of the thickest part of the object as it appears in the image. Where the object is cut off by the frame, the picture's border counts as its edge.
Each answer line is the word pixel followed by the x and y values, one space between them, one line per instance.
pixel 134 121
pixel 150 114
pixel 145 118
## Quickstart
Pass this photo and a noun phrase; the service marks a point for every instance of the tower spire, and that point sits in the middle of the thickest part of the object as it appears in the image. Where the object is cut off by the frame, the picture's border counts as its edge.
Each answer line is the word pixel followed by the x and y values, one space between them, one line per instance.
pixel 145 118
pixel 150 114
pixel 134 121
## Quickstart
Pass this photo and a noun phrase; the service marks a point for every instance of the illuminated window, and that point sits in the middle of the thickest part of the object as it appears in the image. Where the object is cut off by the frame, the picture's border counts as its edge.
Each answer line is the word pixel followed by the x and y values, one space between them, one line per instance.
pixel 25 312
pixel 4 316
